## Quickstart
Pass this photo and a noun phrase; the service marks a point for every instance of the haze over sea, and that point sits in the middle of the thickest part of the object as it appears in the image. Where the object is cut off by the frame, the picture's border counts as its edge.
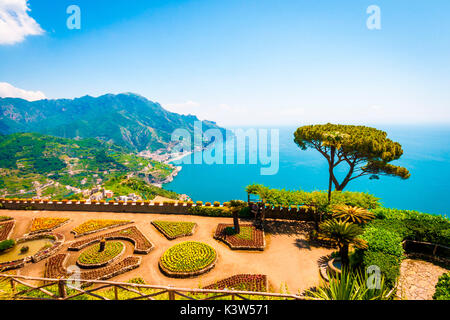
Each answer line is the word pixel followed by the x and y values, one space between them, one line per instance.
pixel 426 155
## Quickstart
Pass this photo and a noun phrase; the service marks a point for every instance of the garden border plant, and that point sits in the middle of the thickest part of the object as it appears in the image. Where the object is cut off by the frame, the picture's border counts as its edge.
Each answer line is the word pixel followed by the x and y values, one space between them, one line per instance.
pixel 142 245
pixel 90 226
pixel 224 233
pixel 175 229
pixel 242 282
pixel 47 224
pixel 92 258
pixel 188 259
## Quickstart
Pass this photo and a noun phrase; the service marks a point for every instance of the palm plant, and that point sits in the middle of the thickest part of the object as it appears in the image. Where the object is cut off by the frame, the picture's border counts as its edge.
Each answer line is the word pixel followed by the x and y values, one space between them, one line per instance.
pixel 350 286
pixel 342 234
pixel 352 214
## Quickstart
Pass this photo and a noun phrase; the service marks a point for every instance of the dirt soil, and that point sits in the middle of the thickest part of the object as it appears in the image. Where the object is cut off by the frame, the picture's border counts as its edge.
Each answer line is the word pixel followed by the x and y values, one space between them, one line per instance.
pixel 288 260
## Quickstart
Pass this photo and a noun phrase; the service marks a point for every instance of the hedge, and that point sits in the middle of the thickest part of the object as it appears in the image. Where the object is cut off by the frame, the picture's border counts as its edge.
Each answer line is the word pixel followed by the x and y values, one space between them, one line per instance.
pixel 386 233
pixel 217 212
pixel 6 244
pixel 286 198
pixel 385 241
pixel 443 288
pixel 388 264
pixel 414 225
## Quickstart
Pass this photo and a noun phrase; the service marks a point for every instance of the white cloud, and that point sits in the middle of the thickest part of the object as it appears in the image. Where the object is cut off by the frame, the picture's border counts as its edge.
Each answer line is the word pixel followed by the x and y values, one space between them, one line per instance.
pixel 9 91
pixel 15 23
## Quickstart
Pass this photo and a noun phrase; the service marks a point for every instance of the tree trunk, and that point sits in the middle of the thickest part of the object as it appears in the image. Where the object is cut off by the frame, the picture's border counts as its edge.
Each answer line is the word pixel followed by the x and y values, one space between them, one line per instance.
pixel 330 183
pixel 343 252
pixel 237 229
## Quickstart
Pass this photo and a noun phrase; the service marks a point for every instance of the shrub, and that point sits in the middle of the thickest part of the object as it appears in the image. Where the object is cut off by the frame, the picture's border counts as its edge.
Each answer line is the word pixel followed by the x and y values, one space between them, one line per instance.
pixel 388 264
pixel 413 225
pixel 283 197
pixel 208 204
pixel 216 204
pixel 209 211
pixel 199 203
pixel 6 244
pixel 443 288
pixel 385 241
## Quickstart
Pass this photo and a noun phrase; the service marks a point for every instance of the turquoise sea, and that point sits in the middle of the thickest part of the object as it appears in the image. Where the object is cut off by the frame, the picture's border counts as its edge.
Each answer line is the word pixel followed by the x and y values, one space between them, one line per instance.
pixel 426 155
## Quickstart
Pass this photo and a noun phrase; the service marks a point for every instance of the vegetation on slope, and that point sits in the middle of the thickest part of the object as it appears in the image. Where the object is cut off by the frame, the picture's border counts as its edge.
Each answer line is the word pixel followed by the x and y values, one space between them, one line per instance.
pixel 27 158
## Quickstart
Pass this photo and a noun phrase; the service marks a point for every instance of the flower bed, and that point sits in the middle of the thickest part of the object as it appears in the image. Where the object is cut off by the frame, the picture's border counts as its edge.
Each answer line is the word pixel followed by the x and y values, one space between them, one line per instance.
pixel 93 258
pixel 93 226
pixel 173 230
pixel 54 269
pixel 141 244
pixel 5 218
pixel 6 229
pixel 188 259
pixel 250 237
pixel 39 225
pixel 242 282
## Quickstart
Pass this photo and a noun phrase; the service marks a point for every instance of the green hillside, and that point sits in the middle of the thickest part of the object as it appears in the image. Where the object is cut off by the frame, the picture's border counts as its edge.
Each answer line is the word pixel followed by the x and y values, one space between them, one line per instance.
pixel 128 120
pixel 28 160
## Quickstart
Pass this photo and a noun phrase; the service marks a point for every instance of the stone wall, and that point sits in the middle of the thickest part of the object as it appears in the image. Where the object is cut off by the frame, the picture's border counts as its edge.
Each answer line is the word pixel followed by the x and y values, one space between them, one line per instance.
pixel 284 213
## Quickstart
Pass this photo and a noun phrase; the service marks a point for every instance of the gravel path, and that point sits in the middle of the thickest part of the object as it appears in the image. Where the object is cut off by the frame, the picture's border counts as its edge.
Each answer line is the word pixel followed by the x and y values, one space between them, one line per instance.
pixel 418 279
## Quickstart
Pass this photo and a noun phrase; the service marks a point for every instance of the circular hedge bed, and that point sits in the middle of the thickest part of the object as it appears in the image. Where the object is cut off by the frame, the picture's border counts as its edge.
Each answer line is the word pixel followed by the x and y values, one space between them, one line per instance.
pixel 188 259
pixel 93 258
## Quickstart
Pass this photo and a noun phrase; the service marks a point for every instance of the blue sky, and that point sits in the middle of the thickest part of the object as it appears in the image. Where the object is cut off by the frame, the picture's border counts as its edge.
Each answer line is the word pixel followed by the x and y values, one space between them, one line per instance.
pixel 246 62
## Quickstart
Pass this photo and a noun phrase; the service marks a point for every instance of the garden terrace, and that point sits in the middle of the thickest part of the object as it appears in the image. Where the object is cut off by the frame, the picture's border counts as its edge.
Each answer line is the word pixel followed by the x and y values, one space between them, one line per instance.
pixel 141 244
pixel 244 282
pixel 93 226
pixel 249 238
pixel 92 257
pixel 54 268
pixel 6 229
pixel 46 224
pixel 173 230
pixel 188 259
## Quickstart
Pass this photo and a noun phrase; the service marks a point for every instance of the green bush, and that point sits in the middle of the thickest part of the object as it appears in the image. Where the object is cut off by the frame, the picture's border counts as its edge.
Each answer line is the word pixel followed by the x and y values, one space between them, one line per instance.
pixel 217 212
pixel 385 241
pixel 287 198
pixel 209 211
pixel 6 244
pixel 443 288
pixel 388 264
pixel 413 225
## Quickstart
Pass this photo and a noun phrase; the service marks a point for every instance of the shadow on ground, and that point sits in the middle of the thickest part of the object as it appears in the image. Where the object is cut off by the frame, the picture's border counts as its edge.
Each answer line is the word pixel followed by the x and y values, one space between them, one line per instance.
pixel 288 227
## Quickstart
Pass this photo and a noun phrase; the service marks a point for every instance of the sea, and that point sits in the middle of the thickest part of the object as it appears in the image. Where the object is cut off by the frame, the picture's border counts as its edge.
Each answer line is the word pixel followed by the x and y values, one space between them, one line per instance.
pixel 426 155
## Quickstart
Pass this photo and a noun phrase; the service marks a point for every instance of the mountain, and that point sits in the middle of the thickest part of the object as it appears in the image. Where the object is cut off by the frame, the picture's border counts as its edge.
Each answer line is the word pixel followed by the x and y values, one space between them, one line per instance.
pixel 128 120
pixel 59 167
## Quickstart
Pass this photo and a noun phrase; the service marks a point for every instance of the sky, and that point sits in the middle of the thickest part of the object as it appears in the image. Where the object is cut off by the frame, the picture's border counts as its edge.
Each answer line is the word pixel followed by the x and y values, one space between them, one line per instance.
pixel 238 62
